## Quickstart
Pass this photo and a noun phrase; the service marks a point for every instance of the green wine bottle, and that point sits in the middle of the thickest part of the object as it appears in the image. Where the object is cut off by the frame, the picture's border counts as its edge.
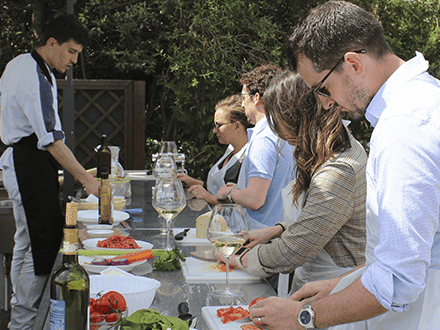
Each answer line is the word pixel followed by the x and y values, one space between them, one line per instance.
pixel 69 283
pixel 103 157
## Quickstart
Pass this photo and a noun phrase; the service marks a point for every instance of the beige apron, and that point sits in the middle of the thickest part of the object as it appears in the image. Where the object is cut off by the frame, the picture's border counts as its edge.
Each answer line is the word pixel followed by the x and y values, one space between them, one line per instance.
pixel 320 268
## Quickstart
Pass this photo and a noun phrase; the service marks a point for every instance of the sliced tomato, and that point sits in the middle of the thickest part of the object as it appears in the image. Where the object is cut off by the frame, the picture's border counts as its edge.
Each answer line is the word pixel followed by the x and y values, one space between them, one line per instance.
pixel 232 314
pixel 250 327
pixel 223 311
pixel 253 302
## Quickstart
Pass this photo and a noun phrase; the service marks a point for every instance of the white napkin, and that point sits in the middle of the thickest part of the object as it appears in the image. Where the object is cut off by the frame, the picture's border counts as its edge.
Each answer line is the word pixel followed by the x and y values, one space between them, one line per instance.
pixel 92 199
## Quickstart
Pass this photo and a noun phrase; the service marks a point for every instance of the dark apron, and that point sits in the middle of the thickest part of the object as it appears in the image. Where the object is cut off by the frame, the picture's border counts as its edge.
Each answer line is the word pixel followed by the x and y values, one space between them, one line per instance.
pixel 37 177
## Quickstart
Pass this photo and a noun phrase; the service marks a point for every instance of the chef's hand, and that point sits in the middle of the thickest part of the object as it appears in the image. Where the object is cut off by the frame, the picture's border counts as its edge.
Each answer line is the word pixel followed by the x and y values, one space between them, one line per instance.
pixel 276 313
pixel 92 186
pixel 315 290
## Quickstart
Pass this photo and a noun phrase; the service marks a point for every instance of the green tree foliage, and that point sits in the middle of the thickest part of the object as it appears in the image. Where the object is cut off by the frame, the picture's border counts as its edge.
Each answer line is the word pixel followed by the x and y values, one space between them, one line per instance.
pixel 191 53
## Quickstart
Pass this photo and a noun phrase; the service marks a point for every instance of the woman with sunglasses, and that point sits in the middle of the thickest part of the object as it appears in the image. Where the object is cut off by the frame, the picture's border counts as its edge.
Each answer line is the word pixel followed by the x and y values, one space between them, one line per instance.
pixel 230 124
pixel 323 234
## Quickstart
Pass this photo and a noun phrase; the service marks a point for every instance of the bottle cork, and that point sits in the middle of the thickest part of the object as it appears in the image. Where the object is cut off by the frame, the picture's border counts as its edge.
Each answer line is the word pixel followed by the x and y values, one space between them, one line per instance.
pixel 71 214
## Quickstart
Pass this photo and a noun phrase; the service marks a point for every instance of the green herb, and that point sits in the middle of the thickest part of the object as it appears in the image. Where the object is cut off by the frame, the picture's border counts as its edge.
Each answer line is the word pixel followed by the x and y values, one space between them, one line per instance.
pixel 168 260
pixel 150 319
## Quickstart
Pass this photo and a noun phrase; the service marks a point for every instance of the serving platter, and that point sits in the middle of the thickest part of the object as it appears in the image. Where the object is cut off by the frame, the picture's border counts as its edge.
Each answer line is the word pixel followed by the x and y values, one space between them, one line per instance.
pixel 91 244
pixel 85 262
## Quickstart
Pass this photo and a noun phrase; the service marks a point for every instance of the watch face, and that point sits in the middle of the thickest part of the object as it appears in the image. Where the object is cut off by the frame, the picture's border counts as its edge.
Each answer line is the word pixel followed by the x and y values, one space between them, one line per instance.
pixel 305 317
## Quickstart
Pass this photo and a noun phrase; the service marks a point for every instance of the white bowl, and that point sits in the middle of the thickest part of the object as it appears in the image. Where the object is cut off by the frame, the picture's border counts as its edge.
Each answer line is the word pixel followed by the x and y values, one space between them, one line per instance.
pixel 90 217
pixel 99 227
pixel 100 233
pixel 138 291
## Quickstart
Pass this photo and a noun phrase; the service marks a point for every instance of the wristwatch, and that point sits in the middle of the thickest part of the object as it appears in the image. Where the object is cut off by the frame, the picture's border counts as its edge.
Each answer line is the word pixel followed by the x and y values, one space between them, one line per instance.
pixel 228 197
pixel 306 317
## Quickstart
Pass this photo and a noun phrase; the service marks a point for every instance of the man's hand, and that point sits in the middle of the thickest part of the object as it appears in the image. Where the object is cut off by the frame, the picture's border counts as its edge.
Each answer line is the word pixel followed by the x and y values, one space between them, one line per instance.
pixel 277 313
pixel 315 290
pixel 224 191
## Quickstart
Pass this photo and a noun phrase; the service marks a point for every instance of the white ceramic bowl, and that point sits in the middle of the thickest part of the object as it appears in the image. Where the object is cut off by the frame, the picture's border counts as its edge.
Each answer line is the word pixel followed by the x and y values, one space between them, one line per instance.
pixel 99 227
pixel 138 291
pixel 100 233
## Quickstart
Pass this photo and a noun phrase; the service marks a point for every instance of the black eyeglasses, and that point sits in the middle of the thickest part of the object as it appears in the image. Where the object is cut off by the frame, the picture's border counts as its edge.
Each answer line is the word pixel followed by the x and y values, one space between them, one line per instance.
pixel 321 90
pixel 217 125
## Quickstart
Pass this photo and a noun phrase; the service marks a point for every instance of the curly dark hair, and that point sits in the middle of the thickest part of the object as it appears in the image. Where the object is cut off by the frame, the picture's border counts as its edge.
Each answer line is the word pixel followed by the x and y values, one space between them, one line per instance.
pixel 232 106
pixel 259 78
pixel 295 114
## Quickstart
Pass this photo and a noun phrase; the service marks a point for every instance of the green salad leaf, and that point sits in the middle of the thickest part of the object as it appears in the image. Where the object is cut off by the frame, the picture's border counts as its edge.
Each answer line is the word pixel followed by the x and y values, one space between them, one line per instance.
pixel 168 260
pixel 150 319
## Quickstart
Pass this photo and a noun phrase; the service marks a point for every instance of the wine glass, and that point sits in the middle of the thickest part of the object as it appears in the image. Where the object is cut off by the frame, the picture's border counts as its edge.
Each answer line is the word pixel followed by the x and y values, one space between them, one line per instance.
pixel 168 147
pixel 168 200
pixel 164 167
pixel 227 231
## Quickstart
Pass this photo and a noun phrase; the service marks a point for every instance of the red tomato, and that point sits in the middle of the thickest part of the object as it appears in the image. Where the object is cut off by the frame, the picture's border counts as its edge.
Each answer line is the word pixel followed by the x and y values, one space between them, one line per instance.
pixel 223 311
pixel 111 318
pixel 116 299
pixel 92 303
pixel 253 302
pixel 103 306
pixel 249 327
pixel 232 314
pixel 96 317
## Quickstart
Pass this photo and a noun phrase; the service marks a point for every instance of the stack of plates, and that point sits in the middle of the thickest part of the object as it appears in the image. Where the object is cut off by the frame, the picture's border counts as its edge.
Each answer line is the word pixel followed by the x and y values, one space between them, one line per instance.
pixel 90 217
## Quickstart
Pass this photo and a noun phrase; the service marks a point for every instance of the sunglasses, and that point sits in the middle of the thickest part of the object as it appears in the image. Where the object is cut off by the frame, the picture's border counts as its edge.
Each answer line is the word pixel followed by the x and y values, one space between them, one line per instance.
pixel 217 125
pixel 322 90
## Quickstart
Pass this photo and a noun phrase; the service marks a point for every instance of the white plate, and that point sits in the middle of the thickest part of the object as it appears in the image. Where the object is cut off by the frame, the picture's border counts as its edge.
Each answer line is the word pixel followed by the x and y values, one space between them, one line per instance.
pixel 91 244
pixel 90 217
pixel 196 271
pixel 190 239
pixel 98 269
pixel 214 322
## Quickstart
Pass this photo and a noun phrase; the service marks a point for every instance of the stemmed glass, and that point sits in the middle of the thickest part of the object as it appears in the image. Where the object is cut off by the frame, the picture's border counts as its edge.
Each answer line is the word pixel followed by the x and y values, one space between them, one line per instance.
pixel 168 200
pixel 227 231
pixel 168 147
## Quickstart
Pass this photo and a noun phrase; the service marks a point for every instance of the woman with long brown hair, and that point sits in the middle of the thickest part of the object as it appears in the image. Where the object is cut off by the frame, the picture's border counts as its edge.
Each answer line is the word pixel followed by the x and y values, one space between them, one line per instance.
pixel 324 234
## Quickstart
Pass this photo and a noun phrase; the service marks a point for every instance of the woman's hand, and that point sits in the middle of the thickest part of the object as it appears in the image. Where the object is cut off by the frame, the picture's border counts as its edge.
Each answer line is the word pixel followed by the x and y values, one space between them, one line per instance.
pixel 199 192
pixel 188 181
pixel 224 191
pixel 232 259
pixel 263 235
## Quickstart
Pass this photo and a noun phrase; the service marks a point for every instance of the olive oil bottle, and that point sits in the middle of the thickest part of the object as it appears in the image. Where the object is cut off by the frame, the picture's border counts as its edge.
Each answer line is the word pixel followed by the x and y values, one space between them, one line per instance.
pixel 69 283
pixel 105 200
pixel 103 157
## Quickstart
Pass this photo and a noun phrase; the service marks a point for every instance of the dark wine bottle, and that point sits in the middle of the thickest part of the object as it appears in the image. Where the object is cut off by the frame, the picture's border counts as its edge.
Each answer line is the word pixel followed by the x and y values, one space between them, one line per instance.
pixel 69 283
pixel 105 199
pixel 103 157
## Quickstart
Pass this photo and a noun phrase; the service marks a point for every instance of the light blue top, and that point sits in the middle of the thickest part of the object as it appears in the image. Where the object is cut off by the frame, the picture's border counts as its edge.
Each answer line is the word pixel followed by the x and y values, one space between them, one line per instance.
pixel 270 158
pixel 403 192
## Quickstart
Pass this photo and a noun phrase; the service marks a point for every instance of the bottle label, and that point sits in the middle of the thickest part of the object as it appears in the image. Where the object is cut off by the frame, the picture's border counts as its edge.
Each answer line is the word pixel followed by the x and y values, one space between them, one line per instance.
pixel 105 202
pixel 57 314
pixel 70 242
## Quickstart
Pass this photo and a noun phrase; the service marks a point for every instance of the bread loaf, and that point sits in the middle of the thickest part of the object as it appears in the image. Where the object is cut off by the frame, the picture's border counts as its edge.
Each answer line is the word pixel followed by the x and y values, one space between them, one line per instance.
pixel 218 224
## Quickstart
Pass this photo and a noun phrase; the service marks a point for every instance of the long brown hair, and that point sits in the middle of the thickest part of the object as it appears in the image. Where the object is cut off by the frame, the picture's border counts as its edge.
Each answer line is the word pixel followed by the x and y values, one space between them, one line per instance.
pixel 296 116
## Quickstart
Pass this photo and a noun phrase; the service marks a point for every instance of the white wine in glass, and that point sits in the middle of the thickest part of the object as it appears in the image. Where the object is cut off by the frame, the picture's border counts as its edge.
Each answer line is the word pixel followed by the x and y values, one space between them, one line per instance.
pixel 227 231
pixel 168 200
